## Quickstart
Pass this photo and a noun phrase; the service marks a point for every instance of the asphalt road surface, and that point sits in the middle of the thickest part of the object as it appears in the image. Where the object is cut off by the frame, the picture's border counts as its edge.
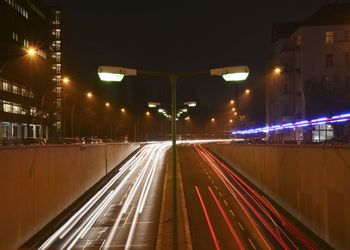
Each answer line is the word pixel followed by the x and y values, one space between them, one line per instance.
pixel 225 212
pixel 124 214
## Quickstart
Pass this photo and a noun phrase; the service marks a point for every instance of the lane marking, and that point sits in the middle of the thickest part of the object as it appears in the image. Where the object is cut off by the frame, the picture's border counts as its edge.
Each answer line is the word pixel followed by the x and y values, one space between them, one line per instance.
pixel 240 225
pixel 251 243
pixel 233 214
pixel 220 194
pixel 212 182
pixel 228 223
pixel 225 202
pixel 216 187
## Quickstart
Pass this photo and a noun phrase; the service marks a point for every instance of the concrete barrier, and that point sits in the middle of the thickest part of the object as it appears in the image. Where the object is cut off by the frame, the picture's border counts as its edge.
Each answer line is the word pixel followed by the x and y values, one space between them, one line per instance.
pixel 39 182
pixel 310 182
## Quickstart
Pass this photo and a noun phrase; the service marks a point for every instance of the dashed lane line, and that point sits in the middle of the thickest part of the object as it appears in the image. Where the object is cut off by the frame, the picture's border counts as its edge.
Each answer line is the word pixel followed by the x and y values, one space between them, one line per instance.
pixel 240 225
pixel 233 214
pixel 225 202
pixel 251 243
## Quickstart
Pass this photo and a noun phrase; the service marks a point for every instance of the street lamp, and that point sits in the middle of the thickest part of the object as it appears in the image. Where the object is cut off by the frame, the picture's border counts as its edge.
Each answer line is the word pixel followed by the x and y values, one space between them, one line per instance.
pixel 232 73
pixel 30 52
pixel 116 74
pixel 247 91
pixel 65 80
pixel 277 70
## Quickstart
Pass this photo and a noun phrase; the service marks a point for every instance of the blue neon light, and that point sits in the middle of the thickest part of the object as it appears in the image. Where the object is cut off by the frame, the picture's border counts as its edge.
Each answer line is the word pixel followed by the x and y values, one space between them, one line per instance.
pixel 319 121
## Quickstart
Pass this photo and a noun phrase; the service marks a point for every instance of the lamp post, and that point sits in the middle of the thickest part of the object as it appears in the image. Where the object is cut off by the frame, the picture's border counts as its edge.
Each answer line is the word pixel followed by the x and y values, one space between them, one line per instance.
pixel 116 74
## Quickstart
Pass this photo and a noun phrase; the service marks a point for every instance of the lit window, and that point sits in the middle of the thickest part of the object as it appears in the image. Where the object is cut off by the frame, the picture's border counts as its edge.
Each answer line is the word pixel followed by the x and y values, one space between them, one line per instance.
pixel 16 109
pixel 15 89
pixel 7 107
pixel 7 86
pixel 329 37
pixel 322 132
pixel 15 36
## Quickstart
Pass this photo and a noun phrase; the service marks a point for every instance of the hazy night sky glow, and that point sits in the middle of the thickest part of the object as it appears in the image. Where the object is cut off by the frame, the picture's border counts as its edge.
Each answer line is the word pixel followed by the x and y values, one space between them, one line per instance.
pixel 178 36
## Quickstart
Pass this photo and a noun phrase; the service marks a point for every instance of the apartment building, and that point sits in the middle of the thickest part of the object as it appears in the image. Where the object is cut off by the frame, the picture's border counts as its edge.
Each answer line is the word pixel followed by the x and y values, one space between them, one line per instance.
pixel 308 75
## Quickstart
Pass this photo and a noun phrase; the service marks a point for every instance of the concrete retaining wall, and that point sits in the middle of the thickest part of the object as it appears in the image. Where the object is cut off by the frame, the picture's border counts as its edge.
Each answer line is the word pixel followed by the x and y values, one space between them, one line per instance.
pixel 311 182
pixel 39 182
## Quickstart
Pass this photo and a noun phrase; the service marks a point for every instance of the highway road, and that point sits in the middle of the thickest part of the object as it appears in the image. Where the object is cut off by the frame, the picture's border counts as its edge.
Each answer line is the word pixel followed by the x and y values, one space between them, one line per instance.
pixel 124 214
pixel 225 212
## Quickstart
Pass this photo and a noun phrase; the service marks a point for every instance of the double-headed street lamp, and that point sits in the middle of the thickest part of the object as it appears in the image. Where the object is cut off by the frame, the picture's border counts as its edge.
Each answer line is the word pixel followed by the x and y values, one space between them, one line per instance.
pixel 116 74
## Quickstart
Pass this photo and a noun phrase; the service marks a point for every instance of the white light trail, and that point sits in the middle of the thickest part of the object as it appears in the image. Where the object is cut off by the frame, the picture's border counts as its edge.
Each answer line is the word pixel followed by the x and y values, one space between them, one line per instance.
pixel 129 168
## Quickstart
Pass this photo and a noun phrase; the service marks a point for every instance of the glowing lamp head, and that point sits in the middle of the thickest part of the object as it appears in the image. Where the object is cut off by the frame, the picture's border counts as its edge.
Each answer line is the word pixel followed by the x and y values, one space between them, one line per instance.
pixel 107 104
pixel 277 70
pixel 247 91
pixel 153 104
pixel 31 51
pixel 110 77
pixel 235 77
pixel 191 104
pixel 114 74
pixel 232 73
pixel 89 95
pixel 65 80
pixel 122 110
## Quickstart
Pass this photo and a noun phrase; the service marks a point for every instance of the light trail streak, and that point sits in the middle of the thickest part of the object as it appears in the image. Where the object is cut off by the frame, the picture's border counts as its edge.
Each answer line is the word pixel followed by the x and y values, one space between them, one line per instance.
pixel 266 208
pixel 226 182
pixel 129 198
pixel 138 167
pixel 144 195
pixel 208 219
pixel 233 232
pixel 253 210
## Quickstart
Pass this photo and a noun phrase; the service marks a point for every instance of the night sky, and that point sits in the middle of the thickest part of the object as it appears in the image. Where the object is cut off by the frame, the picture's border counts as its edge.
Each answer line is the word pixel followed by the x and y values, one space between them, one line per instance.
pixel 177 36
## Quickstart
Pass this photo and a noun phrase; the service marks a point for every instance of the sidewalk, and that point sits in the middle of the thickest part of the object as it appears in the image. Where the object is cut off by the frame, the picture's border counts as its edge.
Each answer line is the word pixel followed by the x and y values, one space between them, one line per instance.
pixel 165 229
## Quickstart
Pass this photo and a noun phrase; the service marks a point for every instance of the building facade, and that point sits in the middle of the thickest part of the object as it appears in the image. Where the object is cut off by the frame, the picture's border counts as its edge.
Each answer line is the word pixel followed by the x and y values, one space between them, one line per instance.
pixel 56 48
pixel 28 83
pixel 308 76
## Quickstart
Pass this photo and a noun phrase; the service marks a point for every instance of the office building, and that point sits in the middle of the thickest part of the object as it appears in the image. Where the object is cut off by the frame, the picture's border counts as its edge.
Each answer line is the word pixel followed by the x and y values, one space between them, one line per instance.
pixel 29 84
